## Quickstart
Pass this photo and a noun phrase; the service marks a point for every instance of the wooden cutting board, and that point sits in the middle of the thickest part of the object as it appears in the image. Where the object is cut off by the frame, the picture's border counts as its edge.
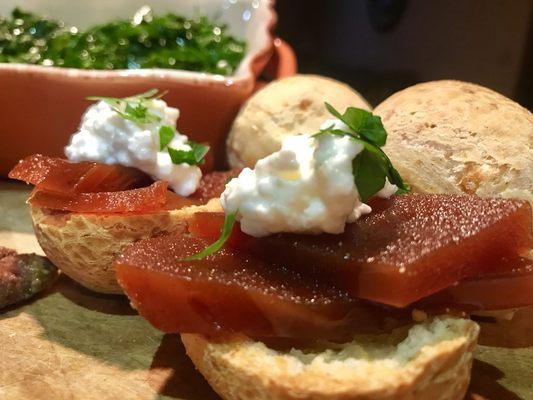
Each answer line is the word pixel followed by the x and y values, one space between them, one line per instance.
pixel 70 343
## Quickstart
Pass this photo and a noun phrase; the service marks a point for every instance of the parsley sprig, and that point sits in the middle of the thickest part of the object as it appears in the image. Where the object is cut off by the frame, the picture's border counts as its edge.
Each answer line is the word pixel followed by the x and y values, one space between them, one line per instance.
pixel 134 108
pixel 194 156
pixel 166 133
pixel 371 166
pixel 225 232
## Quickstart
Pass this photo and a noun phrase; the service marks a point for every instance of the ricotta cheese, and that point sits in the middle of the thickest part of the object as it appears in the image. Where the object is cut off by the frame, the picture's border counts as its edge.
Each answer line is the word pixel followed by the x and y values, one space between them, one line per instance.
pixel 306 187
pixel 106 137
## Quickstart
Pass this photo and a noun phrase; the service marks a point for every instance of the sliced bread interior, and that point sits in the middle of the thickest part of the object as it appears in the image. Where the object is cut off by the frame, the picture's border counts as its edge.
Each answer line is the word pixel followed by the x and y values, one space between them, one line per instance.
pixel 428 360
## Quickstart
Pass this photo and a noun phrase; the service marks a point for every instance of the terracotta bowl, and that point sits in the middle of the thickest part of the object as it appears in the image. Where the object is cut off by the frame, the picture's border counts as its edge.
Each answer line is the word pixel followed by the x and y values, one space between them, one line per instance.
pixel 40 107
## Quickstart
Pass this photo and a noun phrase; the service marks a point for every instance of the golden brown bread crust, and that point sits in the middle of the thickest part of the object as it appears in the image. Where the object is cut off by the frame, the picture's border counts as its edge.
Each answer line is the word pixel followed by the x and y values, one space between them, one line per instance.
pixel 84 246
pixel 453 137
pixel 432 363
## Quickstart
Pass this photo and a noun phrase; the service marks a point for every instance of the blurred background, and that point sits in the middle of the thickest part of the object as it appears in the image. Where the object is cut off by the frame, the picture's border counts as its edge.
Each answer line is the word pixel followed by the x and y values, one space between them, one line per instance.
pixel 380 46
pixel 376 46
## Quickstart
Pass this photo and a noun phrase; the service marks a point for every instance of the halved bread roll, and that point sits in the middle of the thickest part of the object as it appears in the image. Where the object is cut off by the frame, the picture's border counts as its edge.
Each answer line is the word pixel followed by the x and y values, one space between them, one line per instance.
pixel 430 360
pixel 84 245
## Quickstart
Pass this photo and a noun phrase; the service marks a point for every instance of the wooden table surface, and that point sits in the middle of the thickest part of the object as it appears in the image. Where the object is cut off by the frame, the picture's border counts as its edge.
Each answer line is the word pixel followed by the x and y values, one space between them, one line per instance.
pixel 70 343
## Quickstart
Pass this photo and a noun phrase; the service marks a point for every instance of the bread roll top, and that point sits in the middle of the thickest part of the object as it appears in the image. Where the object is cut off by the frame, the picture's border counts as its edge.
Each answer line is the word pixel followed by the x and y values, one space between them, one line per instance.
pixel 285 107
pixel 452 137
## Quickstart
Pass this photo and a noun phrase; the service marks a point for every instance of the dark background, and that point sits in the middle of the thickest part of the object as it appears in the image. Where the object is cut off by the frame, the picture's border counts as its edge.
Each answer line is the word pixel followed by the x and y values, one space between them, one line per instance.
pixel 381 46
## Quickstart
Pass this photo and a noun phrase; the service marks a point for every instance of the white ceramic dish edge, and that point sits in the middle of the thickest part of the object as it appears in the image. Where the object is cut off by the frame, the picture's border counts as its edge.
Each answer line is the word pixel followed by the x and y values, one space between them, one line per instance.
pixel 259 41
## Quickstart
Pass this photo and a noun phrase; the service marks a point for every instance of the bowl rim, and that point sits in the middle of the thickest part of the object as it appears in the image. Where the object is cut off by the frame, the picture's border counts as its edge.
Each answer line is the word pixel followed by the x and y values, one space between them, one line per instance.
pixel 191 77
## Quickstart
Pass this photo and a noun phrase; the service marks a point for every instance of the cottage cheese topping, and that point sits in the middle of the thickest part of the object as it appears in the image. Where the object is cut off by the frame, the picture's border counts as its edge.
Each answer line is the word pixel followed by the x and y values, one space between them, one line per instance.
pixel 307 186
pixel 104 136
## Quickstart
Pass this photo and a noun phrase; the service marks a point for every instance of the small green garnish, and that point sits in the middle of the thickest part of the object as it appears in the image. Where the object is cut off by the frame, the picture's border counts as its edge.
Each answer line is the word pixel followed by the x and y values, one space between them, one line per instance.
pixel 166 133
pixel 148 40
pixel 363 122
pixel 133 108
pixel 194 156
pixel 225 232
pixel 371 166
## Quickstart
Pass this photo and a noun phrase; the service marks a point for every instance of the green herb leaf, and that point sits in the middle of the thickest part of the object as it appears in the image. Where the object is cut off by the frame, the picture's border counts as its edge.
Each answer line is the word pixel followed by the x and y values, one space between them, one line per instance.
pixel 331 131
pixel 181 156
pixel 199 151
pixel 133 108
pixel 395 177
pixel 374 131
pixel 362 122
pixel 229 221
pixel 372 166
pixel 355 118
pixel 194 156
pixel 333 111
pixel 154 41
pixel 369 172
pixel 166 133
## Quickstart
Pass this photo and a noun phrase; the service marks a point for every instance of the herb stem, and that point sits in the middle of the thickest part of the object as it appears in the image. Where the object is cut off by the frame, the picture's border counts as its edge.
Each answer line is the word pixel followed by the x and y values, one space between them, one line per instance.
pixel 227 227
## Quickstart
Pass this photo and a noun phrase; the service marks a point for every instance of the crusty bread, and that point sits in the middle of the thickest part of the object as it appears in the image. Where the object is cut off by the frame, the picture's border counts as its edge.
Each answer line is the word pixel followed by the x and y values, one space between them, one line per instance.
pixel 452 137
pixel 84 246
pixel 431 360
pixel 285 107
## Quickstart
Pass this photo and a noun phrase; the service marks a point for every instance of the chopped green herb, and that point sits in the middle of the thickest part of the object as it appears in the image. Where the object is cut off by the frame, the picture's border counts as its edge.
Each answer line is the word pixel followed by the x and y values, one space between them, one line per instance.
pixel 199 151
pixel 369 172
pixel 362 122
pixel 337 132
pixel 371 166
pixel 166 133
pixel 133 108
pixel 194 156
pixel 229 221
pixel 146 41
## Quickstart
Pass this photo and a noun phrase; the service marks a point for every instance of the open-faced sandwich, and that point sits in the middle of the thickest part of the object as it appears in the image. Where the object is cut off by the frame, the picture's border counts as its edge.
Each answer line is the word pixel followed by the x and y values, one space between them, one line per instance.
pixel 114 188
pixel 313 273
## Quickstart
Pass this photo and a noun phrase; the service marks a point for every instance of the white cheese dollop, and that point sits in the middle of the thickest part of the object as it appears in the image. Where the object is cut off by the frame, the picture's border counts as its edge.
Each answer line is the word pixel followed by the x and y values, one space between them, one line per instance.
pixel 307 187
pixel 106 137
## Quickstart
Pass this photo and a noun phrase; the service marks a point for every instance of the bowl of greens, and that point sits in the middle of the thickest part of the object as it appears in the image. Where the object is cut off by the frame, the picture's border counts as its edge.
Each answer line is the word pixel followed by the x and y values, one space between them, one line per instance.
pixel 205 54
